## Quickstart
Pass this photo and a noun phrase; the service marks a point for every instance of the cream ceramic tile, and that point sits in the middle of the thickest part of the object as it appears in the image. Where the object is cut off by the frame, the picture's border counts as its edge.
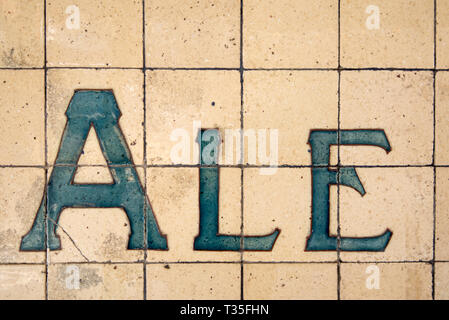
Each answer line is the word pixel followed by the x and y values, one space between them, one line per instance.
pixel 282 200
pixel 441 118
pixel 95 281
pixel 442 281
pixel 99 45
pixel 22 121
pixel 178 99
pixel 292 102
pixel 386 281
pixel 95 234
pixel 84 33
pixel 199 281
pixel 442 44
pixel 193 33
pixel 127 86
pixel 173 193
pixel 290 34
pixel 290 281
pixel 22 33
pixel 398 199
pixel 387 34
pixel 22 192
pixel 22 282
pixel 401 104
pixel 442 214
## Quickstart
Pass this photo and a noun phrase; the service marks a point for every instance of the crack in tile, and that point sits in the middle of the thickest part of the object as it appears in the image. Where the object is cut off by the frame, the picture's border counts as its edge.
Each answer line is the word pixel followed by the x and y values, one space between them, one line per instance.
pixel 79 250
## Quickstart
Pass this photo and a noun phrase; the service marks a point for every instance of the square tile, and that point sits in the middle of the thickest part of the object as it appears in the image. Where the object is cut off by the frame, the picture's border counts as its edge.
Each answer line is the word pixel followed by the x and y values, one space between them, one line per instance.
pixel 95 282
pixel 386 281
pixel 289 34
pixel 22 33
pixel 442 44
pixel 387 34
pixel 23 190
pixel 290 281
pixel 174 197
pixel 94 234
pixel 282 200
pixel 442 214
pixel 398 199
pixel 22 282
pixel 127 86
pixel 199 281
pixel 292 102
pixel 441 118
pixel 442 281
pixel 83 33
pixel 401 104
pixel 22 122
pixel 193 33
pixel 179 102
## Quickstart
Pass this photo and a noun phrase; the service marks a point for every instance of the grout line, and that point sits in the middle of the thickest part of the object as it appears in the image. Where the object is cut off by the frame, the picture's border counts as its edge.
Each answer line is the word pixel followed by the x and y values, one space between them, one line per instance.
pixel 434 233
pixel 238 166
pixel 22 68
pixel 434 142
pixel 145 256
pixel 92 68
pixel 389 69
pixel 338 155
pixel 229 262
pixel 385 262
pixel 232 69
pixel 45 68
pixel 242 142
pixel 191 69
pixel 343 69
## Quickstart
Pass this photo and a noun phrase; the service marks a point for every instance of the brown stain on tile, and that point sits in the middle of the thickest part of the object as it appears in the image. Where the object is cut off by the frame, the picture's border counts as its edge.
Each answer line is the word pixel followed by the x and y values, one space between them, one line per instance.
pixel 31 196
pixel 109 246
pixel 89 277
pixel 22 44
pixel 7 245
pixel 13 59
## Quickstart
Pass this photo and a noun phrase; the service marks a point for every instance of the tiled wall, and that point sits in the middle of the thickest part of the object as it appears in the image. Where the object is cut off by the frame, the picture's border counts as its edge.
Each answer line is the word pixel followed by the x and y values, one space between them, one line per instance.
pixel 286 65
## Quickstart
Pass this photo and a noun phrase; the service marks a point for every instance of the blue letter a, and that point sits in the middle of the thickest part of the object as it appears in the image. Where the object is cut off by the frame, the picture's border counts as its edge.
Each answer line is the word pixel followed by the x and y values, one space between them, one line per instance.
pixel 94 109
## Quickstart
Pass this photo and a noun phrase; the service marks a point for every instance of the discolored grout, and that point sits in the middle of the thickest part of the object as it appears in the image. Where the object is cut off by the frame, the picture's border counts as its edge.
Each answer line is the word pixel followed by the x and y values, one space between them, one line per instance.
pixel 242 138
pixel 144 152
pixel 338 155
pixel 434 142
pixel 47 251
